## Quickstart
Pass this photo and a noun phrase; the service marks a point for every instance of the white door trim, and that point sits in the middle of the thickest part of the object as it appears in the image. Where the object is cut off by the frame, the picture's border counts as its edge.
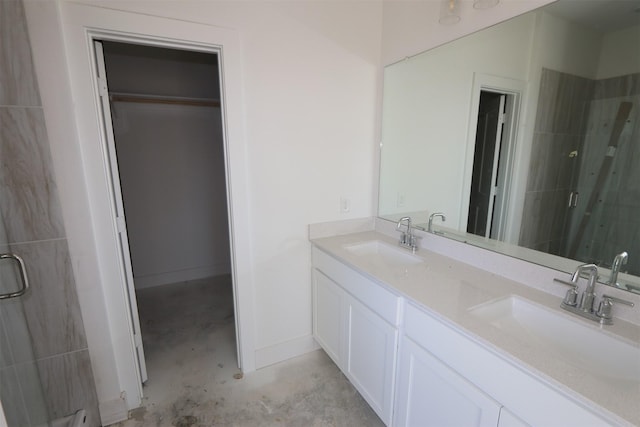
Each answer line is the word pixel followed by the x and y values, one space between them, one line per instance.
pixel 118 208
pixel 510 87
pixel 494 170
pixel 68 28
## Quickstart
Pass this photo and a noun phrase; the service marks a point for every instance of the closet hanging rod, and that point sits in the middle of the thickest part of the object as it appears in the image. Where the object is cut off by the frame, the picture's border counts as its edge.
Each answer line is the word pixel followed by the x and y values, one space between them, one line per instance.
pixel 154 99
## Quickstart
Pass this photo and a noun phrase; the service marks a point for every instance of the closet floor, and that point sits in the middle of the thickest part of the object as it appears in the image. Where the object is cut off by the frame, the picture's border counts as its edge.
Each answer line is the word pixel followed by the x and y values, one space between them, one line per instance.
pixel 189 340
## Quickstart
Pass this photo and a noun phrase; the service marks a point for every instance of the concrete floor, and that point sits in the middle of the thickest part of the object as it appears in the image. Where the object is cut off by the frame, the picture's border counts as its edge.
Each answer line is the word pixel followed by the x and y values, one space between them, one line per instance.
pixel 189 340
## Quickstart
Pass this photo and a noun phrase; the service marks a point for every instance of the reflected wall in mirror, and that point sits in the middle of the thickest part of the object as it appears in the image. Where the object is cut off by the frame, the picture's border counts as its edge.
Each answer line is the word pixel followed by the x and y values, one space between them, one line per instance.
pixel 526 135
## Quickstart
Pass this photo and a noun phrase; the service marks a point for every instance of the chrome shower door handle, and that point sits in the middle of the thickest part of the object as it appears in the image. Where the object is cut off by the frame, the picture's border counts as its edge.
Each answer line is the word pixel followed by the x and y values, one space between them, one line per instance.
pixel 23 277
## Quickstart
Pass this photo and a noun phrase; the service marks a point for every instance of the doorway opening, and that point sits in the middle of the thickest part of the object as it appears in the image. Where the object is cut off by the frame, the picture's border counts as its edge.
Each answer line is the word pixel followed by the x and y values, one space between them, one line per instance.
pixel 494 140
pixel 165 140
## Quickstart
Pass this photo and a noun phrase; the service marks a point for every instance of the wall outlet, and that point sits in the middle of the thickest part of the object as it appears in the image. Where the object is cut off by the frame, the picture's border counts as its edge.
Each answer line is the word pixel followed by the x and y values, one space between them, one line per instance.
pixel 400 200
pixel 345 204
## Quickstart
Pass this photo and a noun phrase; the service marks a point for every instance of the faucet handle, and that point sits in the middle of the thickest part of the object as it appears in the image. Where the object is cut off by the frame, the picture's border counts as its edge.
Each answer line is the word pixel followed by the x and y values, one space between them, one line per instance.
pixel 618 300
pixel 566 282
pixel 571 298
pixel 403 238
pixel 604 310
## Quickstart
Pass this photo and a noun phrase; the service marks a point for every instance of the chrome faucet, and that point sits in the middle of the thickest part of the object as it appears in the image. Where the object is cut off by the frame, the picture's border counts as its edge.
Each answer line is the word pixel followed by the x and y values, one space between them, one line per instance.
pixel 431 217
pixel 586 302
pixel 585 307
pixel 407 239
pixel 618 261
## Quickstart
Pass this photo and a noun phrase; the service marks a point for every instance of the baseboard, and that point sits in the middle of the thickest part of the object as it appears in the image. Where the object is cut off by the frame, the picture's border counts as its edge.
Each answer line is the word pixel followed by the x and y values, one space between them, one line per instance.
pixel 168 277
pixel 113 411
pixel 286 350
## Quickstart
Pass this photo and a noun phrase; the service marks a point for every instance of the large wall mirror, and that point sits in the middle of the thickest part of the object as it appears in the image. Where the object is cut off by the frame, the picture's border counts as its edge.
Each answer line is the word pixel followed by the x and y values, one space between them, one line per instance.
pixel 526 135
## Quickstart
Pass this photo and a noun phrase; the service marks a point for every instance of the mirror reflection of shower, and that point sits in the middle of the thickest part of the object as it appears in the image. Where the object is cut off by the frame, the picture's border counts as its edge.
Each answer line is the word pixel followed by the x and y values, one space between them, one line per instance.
pixel 595 157
pixel 611 184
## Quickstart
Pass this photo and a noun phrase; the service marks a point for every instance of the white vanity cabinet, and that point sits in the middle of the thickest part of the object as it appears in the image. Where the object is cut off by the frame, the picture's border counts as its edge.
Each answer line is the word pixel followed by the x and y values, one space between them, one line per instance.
pixel 446 378
pixel 355 321
pixel 419 368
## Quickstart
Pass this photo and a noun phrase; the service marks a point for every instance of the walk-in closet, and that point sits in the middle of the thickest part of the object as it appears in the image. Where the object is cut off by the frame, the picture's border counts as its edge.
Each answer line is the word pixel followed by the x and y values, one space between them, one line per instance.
pixel 165 111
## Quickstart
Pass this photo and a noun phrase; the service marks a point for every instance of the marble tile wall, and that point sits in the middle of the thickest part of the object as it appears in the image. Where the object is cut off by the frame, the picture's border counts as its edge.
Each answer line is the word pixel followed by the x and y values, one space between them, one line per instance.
pixel 33 228
pixel 18 369
pixel 15 340
pixel 30 207
pixel 70 375
pixel 17 77
pixel 575 113
pixel 617 86
pixel 52 306
pixel 17 414
pixel 614 224
pixel 559 130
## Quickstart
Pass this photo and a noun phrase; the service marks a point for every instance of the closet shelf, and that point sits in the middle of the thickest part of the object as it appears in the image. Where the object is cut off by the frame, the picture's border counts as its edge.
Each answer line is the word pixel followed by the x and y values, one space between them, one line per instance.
pixel 155 99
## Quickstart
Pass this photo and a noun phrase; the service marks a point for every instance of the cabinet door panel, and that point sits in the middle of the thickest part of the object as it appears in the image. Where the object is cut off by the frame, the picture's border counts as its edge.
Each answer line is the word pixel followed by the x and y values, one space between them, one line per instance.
pixel 431 394
pixel 328 325
pixel 515 387
pixel 371 360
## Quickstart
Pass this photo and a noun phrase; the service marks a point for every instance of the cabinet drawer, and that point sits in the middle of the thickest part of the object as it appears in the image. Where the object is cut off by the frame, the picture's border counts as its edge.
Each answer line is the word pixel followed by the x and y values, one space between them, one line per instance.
pixel 383 302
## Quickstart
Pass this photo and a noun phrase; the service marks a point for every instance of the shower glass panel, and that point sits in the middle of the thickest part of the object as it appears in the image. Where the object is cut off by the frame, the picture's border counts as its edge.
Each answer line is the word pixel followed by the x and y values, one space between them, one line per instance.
pixel 21 390
pixel 609 171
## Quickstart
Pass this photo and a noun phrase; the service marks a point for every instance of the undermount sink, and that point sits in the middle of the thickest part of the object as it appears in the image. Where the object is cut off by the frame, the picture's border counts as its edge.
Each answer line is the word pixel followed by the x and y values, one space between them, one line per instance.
pixel 578 343
pixel 384 252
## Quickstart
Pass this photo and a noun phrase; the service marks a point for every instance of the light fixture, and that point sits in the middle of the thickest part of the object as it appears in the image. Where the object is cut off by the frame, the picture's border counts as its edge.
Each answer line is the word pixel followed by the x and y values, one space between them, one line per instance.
pixel 484 4
pixel 449 12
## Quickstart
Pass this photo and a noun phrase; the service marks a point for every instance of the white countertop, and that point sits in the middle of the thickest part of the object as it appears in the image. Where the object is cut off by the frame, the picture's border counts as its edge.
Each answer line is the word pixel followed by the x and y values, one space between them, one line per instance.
pixel 448 288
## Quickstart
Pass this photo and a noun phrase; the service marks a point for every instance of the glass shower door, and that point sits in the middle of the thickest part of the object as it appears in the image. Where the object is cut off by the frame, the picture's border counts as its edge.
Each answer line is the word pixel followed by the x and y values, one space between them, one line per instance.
pixel 21 391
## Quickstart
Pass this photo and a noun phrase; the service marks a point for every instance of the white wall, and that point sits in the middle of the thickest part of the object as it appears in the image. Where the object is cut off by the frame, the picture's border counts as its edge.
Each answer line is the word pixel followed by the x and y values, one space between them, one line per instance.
pixel 171 164
pixel 427 107
pixel 310 82
pixel 558 45
pixel 411 27
pixel 427 102
pixel 566 47
pixel 620 54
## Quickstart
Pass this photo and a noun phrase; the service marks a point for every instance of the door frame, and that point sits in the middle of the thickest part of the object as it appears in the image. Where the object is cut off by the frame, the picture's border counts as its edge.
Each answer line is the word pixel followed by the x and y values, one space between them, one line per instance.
pixel 514 89
pixel 495 164
pixel 114 181
pixel 62 36
pixel 108 136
